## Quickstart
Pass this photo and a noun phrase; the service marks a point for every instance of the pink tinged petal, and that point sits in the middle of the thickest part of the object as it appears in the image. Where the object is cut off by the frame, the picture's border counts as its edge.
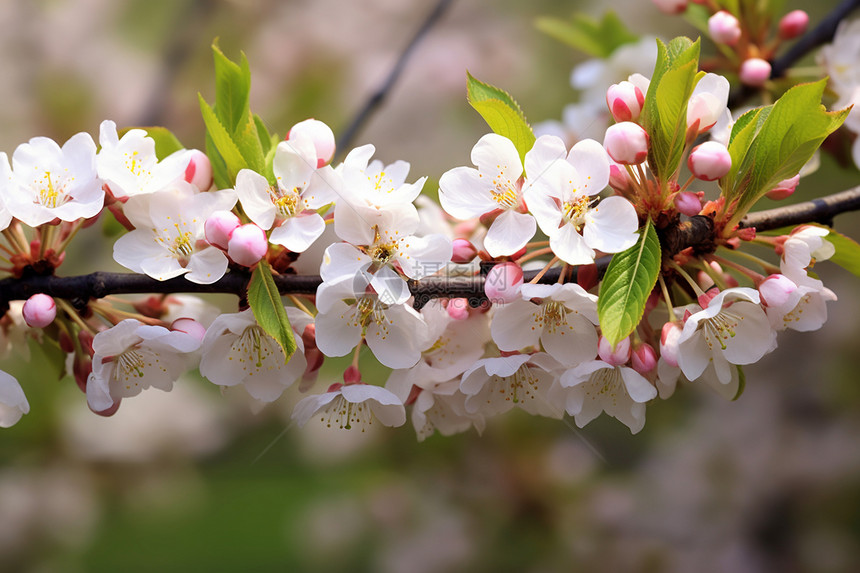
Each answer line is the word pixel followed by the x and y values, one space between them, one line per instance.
pixel 611 226
pixel 496 155
pixel 384 404
pixel 13 402
pixel 570 247
pixel 571 343
pixel 544 208
pixel 465 193
pixel 253 192
pixel 298 233
pixel 342 260
pixel 516 325
pixel 207 266
pixel 310 405
pixel 509 233
pixel 547 150
pixel 638 387
pixel 667 378
pixel 591 163
pixel 337 331
pixel 423 256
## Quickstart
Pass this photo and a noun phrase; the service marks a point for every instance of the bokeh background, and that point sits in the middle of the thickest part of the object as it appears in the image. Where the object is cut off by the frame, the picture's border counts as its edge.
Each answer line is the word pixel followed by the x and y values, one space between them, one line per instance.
pixel 200 480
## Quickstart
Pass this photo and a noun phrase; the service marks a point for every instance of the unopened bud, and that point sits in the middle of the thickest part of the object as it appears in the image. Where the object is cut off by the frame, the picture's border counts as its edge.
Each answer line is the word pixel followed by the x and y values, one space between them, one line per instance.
pixel 671 6
pixel 503 283
pixel 458 308
pixel 320 134
pixel 755 72
pixel 776 290
pixel 219 226
pixel 616 357
pixel 247 245
pixel 688 203
pixel 784 188
pixel 669 342
pixel 190 327
pixel 625 101
pixel 709 161
pixel 463 251
pixel 626 143
pixel 39 311
pixel 199 170
pixel 620 180
pixel 643 359
pixel 705 299
pixel 793 24
pixel 724 28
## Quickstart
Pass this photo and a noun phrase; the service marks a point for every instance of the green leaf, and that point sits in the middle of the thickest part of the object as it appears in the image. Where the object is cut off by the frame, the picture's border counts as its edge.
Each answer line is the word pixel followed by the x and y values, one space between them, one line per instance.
pixel 265 301
pixel 847 253
pixel 219 168
pixel 598 39
pixel 165 142
pixel 782 141
pixel 628 282
pixel 232 89
pixel 501 113
pixel 664 114
pixel 222 142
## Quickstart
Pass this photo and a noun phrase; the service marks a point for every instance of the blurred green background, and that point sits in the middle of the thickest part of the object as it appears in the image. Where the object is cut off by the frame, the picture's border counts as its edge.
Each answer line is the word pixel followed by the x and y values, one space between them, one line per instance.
pixel 193 480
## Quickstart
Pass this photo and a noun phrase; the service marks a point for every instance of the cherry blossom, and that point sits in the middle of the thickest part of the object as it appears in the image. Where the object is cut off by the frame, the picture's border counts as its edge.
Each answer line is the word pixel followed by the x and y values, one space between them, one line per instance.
pixel 495 385
pixel 49 182
pixel 561 193
pixel 495 185
pixel 348 405
pixel 169 239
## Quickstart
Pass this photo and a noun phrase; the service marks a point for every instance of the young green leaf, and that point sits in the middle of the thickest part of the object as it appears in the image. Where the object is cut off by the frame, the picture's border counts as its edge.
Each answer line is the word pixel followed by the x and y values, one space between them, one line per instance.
pixel 598 39
pixel 628 282
pixel 232 89
pixel 265 301
pixel 222 142
pixel 783 141
pixel 664 114
pixel 501 113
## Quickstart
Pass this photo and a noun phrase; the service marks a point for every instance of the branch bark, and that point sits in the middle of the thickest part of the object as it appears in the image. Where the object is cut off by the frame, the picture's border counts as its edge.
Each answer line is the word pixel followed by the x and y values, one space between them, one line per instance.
pixel 80 289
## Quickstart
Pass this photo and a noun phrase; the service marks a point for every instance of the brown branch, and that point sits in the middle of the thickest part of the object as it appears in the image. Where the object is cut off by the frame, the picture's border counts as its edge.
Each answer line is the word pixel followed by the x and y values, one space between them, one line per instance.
pixel 80 289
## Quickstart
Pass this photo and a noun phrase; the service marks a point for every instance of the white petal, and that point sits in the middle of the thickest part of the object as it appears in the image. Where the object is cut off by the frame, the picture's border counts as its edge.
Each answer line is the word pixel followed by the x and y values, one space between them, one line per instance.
pixel 611 226
pixel 509 233
pixel 253 192
pixel 496 155
pixel 465 193
pixel 13 402
pixel 592 167
pixel 207 266
pixel 298 233
pixel 546 150
pixel 639 389
pixel 515 326
pixel 570 247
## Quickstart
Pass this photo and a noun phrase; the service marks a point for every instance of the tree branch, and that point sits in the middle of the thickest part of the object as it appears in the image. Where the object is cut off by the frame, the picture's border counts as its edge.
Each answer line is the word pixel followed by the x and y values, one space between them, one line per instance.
pixel 376 99
pixel 80 289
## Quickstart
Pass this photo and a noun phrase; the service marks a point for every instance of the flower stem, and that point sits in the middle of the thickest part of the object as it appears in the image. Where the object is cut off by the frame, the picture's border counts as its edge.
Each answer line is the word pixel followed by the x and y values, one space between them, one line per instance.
pixel 543 271
pixel 668 299
pixel 695 286
pixel 533 255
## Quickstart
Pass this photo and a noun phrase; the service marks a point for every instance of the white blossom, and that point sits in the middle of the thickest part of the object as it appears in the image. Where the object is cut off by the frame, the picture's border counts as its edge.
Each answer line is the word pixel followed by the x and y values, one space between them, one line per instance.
pixel 495 385
pixel 347 405
pixel 13 402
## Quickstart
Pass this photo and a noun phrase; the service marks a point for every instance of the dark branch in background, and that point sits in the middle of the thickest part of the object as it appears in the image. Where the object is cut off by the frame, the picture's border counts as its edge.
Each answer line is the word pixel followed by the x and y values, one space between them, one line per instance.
pixel 822 34
pixel 80 289
pixel 376 99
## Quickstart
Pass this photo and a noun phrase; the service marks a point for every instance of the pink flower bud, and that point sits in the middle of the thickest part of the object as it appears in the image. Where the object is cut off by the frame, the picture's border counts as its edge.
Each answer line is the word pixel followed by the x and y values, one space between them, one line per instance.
pixel 688 203
pixel 39 311
pixel 755 72
pixel 776 290
pixel 793 24
pixel 784 188
pixel 219 226
pixel 351 375
pixel 190 327
pixel 625 101
pixel 669 342
pixel 724 28
pixel 643 359
pixel 705 299
pixel 671 6
pixel 616 357
pixel 247 245
pixel 709 161
pixel 199 170
pixel 502 284
pixel 620 180
pixel 458 308
pixel 321 135
pixel 464 251
pixel 626 143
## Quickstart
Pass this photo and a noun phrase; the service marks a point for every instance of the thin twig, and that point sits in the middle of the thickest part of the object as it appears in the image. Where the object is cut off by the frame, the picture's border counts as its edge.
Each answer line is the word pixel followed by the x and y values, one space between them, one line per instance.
pixel 376 99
